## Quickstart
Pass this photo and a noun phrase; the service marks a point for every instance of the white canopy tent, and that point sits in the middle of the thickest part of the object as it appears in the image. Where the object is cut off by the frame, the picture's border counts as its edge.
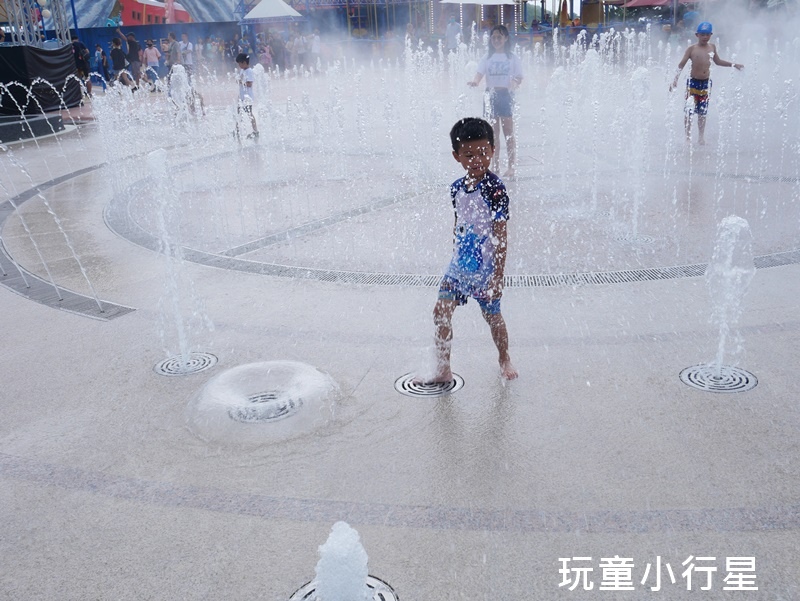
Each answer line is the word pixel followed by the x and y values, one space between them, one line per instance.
pixel 269 10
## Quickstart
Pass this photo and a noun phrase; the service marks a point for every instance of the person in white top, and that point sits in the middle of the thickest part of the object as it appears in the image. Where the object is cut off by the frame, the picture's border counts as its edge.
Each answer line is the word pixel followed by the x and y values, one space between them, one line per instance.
pixel 316 47
pixel 503 72
pixel 246 78
pixel 187 54
pixel 300 49
pixel 451 35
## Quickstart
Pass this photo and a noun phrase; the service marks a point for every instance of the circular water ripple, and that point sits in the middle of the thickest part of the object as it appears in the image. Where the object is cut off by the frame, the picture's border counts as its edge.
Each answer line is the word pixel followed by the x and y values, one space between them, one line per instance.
pixel 262 402
pixel 266 406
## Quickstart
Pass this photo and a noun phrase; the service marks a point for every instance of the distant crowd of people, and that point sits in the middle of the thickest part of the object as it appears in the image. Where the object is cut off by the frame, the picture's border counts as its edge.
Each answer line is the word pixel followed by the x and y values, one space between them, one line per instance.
pixel 129 62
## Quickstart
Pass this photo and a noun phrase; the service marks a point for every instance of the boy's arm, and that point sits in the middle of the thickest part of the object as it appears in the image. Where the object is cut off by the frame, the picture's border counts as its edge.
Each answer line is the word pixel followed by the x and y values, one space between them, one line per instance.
pixel 686 56
pixel 500 234
pixel 722 63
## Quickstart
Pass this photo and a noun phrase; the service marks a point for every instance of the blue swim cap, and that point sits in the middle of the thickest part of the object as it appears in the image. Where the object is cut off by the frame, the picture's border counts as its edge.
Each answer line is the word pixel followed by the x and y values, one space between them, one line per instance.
pixel 704 27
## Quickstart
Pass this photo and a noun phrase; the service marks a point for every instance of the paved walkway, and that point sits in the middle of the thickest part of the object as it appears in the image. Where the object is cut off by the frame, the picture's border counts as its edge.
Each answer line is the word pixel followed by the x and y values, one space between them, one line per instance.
pixel 598 450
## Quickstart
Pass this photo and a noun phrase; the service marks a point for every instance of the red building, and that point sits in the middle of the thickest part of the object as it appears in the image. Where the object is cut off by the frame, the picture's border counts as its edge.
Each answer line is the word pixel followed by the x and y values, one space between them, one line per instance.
pixel 152 12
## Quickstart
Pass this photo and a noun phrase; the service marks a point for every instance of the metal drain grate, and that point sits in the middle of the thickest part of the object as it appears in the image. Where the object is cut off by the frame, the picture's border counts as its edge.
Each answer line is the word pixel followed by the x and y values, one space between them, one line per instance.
pixel 380 591
pixel 407 386
pixel 265 407
pixel 174 366
pixel 635 239
pixel 730 379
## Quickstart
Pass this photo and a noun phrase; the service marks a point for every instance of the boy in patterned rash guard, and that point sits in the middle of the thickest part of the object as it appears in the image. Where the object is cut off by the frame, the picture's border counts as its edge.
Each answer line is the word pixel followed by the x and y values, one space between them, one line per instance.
pixel 480 242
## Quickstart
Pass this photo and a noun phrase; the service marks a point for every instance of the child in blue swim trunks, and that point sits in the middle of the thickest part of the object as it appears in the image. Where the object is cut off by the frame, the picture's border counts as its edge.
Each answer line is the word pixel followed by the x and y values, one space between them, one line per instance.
pixel 476 270
pixel 699 83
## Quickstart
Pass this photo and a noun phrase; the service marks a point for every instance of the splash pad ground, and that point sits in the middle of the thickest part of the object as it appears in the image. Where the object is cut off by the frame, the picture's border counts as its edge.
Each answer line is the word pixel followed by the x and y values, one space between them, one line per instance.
pixel 327 254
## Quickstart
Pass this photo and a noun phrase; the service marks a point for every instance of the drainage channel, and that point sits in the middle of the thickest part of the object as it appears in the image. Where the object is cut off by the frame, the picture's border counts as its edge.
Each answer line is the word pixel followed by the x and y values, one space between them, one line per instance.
pixel 21 281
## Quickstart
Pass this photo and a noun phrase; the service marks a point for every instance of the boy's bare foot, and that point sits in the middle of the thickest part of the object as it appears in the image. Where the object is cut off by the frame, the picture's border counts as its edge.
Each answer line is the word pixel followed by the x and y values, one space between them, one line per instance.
pixel 443 377
pixel 508 371
pixel 701 142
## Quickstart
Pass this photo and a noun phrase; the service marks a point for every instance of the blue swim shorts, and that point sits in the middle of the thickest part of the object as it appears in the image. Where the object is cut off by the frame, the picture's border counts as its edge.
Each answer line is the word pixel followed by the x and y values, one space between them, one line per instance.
pixel 697 90
pixel 452 289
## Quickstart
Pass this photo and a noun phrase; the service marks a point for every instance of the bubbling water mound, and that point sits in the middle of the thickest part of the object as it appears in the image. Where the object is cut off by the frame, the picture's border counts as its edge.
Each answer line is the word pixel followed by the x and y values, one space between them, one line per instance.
pixel 261 402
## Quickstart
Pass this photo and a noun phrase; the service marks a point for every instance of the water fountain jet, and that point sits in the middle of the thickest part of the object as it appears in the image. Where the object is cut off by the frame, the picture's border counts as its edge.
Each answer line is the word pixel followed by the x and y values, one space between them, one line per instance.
pixel 342 574
pixel 728 277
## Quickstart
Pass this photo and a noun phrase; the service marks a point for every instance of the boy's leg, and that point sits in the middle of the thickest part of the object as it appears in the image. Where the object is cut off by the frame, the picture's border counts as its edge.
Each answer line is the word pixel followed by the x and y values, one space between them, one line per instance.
pixel 442 321
pixel 248 108
pixel 702 110
pixel 688 111
pixel 253 122
pixel 497 325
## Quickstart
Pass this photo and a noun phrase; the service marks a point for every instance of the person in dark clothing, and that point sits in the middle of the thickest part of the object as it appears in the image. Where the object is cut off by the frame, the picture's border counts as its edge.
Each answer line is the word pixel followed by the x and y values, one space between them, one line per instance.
pixel 132 53
pixel 278 51
pixel 81 53
pixel 118 62
pixel 173 51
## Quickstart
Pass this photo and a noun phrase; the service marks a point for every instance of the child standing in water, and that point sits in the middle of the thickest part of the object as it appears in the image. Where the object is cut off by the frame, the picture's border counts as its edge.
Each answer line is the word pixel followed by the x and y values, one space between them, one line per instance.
pixel 503 72
pixel 480 242
pixel 245 78
pixel 699 83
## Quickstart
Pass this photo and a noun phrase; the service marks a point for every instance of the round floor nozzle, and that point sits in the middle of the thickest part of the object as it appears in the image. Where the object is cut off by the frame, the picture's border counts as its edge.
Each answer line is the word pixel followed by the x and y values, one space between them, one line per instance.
pixel 176 366
pixel 380 591
pixel 408 386
pixel 725 379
